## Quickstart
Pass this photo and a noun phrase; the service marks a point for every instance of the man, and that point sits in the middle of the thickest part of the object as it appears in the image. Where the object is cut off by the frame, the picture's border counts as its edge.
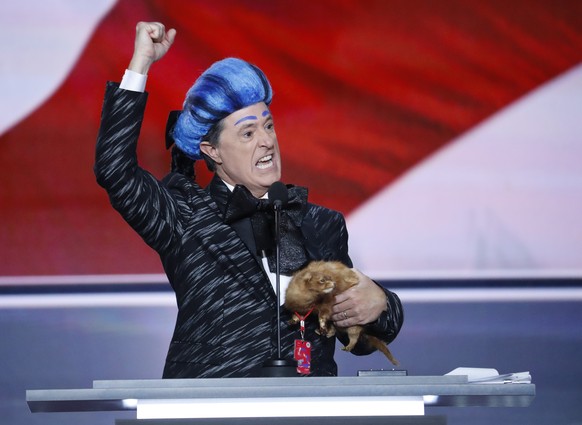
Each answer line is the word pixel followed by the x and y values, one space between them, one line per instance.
pixel 216 251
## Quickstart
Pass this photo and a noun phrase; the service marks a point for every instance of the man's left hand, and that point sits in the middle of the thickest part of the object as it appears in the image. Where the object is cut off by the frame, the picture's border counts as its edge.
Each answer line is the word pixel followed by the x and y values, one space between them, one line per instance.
pixel 359 305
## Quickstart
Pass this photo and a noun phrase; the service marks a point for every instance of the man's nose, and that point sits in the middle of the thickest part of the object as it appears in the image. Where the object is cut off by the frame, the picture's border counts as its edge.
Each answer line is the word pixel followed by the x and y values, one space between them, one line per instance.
pixel 266 139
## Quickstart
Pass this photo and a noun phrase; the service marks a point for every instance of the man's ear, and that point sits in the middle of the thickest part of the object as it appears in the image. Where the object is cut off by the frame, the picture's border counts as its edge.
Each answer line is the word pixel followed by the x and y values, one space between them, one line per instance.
pixel 211 151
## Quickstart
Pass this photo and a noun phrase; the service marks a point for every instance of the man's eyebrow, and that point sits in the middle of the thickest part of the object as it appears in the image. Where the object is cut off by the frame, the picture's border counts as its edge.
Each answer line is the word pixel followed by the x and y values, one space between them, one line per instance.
pixel 249 117
pixel 266 112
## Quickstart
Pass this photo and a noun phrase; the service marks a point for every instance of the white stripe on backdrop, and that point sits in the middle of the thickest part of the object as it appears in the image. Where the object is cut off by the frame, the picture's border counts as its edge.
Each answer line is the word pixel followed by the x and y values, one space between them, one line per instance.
pixel 505 197
pixel 41 42
pixel 408 296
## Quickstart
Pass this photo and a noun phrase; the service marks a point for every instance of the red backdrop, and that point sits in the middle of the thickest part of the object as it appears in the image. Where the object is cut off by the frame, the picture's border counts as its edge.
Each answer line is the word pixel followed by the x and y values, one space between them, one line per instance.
pixel 364 90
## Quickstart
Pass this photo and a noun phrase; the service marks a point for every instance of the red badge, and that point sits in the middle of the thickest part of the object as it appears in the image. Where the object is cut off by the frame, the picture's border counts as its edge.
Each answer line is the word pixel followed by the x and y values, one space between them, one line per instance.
pixel 302 353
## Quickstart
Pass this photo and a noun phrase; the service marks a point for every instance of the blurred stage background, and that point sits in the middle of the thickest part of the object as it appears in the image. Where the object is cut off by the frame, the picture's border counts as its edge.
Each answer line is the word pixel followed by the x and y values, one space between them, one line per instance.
pixel 447 132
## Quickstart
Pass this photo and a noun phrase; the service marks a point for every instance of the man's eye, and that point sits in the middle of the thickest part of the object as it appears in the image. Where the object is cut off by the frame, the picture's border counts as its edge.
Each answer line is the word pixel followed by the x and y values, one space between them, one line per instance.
pixel 270 126
pixel 248 134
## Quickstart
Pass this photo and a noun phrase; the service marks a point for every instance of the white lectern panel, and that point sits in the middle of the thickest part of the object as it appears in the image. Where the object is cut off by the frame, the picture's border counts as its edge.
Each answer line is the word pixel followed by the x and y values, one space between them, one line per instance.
pixel 280 407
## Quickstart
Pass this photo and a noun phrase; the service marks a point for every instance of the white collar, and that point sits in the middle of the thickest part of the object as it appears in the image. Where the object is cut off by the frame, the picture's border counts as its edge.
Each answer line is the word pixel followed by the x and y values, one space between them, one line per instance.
pixel 231 188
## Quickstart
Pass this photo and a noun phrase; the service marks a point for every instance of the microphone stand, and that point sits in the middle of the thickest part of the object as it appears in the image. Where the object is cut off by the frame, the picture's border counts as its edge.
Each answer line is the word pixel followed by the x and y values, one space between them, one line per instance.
pixel 278 367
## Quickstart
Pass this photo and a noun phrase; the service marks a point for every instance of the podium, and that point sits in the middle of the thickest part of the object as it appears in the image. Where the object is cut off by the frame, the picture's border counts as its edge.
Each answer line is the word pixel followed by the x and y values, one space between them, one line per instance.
pixel 285 401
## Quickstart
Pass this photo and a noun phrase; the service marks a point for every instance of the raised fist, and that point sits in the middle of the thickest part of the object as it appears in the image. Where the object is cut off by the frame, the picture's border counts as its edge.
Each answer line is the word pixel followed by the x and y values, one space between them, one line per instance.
pixel 152 41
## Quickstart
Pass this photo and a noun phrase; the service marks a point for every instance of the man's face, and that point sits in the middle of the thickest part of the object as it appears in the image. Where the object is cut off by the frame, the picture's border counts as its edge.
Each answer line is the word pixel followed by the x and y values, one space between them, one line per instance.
pixel 247 152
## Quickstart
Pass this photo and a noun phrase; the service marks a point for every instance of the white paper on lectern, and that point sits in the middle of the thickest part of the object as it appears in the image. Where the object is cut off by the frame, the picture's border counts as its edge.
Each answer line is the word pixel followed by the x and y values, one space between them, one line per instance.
pixel 483 375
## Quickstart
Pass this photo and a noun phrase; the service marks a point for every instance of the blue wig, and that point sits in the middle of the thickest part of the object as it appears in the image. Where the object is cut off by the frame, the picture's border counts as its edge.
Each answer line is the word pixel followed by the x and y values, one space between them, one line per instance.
pixel 227 86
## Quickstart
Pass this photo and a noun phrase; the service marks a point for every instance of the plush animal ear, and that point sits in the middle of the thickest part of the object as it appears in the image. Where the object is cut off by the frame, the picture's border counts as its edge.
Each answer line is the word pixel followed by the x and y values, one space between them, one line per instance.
pixel 307 275
pixel 352 278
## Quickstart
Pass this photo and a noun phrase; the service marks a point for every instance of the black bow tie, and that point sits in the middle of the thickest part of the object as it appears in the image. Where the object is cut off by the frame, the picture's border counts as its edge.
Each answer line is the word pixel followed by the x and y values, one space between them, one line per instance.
pixel 242 204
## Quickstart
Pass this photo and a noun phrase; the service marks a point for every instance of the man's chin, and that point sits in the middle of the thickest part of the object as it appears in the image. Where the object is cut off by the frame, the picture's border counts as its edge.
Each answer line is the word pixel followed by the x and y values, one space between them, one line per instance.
pixel 271 178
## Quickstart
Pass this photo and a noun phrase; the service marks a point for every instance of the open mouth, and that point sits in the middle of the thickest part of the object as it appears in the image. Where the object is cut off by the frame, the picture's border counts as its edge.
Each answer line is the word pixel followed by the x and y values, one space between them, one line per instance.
pixel 329 288
pixel 265 162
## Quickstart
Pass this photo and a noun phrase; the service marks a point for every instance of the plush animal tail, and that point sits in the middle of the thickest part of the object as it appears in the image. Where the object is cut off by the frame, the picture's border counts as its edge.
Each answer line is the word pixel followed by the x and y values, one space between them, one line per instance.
pixel 380 345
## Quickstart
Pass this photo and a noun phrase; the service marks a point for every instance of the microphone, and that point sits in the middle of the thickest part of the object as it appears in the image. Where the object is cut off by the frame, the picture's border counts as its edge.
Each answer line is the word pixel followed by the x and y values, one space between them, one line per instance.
pixel 278 196
pixel 278 367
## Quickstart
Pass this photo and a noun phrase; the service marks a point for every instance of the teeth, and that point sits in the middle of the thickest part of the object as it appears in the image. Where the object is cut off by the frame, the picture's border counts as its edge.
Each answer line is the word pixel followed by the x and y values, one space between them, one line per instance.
pixel 265 161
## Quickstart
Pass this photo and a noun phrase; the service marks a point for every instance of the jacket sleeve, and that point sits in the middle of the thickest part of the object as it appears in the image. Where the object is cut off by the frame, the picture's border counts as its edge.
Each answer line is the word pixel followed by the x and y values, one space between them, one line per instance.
pixel 138 196
pixel 388 325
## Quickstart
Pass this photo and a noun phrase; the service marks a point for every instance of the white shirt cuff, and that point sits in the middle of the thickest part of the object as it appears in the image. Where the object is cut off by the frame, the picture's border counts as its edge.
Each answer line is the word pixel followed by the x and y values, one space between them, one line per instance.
pixel 133 81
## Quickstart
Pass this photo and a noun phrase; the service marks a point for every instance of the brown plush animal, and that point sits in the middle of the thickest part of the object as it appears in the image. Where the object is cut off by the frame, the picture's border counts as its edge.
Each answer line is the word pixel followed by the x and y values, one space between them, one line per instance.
pixel 315 287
